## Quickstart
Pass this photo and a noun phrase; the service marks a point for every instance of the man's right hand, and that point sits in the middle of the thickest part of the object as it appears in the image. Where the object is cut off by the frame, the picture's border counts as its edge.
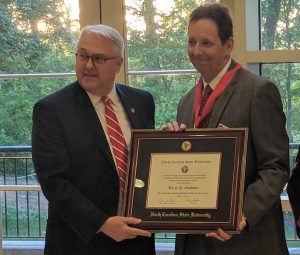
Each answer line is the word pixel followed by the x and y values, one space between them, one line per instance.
pixel 174 127
pixel 117 228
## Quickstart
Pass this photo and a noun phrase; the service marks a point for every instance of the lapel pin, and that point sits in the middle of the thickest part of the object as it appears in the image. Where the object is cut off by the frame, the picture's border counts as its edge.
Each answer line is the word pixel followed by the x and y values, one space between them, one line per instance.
pixel 132 110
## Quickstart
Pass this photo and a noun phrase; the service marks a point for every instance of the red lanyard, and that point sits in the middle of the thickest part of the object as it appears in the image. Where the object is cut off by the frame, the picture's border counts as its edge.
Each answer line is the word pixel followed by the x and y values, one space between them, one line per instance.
pixel 223 83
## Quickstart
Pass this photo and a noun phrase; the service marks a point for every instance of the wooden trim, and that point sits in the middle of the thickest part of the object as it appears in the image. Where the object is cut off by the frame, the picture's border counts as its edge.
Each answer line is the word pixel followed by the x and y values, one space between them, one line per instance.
pixel 89 12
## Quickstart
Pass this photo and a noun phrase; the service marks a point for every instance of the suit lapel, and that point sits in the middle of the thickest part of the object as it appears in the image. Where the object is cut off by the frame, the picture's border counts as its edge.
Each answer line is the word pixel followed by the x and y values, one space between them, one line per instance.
pixel 223 99
pixel 89 116
pixel 189 115
pixel 128 105
pixel 220 106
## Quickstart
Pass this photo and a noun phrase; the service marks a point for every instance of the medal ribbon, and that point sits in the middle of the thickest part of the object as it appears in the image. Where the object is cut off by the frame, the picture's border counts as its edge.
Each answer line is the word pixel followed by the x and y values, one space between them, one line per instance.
pixel 223 83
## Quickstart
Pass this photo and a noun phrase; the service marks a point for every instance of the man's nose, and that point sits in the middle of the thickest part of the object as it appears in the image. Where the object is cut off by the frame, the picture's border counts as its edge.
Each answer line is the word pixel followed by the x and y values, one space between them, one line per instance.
pixel 198 49
pixel 89 63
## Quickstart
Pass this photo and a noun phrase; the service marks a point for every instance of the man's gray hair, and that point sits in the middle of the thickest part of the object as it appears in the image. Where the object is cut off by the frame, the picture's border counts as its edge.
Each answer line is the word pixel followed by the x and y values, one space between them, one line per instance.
pixel 107 32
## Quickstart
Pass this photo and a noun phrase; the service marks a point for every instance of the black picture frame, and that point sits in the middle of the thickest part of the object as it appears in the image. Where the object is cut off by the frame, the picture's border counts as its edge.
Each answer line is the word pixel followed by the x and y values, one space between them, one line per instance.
pixel 231 144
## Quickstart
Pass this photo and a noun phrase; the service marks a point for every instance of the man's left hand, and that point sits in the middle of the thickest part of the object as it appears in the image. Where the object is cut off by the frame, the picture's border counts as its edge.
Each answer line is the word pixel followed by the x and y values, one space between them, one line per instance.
pixel 222 235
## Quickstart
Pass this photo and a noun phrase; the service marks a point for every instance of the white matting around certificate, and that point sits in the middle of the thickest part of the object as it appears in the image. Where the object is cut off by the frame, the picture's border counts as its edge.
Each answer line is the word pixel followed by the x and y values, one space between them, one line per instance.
pixel 184 180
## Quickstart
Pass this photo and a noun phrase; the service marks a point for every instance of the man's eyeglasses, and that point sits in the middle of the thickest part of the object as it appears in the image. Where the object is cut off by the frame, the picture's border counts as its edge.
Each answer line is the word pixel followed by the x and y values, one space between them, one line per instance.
pixel 95 59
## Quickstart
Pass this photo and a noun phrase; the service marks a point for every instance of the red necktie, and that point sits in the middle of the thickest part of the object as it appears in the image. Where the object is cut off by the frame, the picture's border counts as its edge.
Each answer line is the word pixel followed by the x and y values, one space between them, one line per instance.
pixel 117 141
pixel 207 91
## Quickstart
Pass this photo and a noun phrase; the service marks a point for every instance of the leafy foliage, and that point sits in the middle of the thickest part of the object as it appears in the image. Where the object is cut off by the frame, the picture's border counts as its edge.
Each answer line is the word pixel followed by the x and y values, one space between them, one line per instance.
pixel 281 30
pixel 161 46
pixel 27 48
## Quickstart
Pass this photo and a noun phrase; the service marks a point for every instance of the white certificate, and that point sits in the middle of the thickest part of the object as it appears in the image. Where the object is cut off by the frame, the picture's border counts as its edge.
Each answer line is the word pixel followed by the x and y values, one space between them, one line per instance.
pixel 184 180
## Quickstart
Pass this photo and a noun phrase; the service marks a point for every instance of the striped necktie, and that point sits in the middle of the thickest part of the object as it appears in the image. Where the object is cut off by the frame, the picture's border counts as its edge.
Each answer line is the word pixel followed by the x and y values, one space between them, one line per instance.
pixel 207 91
pixel 117 141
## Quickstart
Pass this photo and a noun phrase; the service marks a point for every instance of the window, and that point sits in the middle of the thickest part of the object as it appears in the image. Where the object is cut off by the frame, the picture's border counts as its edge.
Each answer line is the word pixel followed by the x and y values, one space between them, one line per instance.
pixel 36 39
pixel 157 51
pixel 279 30
pixel 280 24
pixel 37 47
pixel 287 78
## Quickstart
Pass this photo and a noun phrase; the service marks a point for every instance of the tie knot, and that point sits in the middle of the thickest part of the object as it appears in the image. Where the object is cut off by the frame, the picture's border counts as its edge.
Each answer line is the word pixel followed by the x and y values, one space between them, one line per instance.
pixel 207 90
pixel 105 99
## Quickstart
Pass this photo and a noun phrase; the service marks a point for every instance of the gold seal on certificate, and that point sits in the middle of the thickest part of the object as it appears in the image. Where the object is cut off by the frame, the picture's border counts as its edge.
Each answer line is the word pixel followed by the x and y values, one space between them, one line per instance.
pixel 186 146
pixel 187 182
pixel 185 169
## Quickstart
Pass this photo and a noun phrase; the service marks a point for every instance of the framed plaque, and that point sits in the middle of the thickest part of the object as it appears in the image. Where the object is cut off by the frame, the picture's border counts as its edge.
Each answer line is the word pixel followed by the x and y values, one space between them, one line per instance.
pixel 187 182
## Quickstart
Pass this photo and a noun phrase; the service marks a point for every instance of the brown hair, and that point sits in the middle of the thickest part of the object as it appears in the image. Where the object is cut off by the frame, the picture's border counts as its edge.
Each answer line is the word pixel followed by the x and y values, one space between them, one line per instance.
pixel 217 13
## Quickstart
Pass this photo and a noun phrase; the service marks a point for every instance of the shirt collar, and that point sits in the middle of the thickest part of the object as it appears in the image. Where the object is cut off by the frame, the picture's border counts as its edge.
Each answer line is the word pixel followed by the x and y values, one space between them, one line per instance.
pixel 112 95
pixel 216 80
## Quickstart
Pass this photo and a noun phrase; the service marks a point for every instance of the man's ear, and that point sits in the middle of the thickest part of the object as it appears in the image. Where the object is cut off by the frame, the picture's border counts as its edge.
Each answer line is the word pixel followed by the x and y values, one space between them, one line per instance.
pixel 229 45
pixel 120 61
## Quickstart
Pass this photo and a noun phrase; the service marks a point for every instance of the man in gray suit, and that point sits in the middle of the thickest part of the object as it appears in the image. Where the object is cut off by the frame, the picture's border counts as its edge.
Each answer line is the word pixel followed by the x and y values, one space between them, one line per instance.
pixel 237 99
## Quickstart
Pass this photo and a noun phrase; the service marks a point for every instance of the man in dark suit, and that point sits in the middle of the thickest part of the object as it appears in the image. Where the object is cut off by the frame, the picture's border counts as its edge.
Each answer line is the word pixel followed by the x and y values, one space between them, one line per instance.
pixel 293 190
pixel 238 99
pixel 73 153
